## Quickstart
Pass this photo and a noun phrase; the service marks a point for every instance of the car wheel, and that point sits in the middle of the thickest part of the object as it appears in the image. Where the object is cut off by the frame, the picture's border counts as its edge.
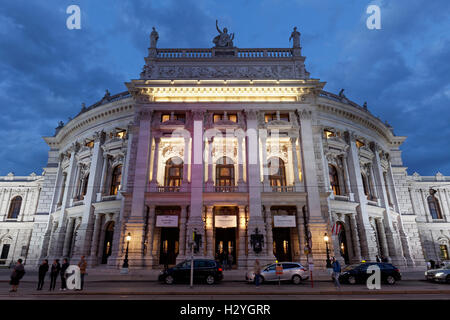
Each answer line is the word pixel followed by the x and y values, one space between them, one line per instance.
pixel 390 280
pixel 351 280
pixel 210 279
pixel 296 279
pixel 168 280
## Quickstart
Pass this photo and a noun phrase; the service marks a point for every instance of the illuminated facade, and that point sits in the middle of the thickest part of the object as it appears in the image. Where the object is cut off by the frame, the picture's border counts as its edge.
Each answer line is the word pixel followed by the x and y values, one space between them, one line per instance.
pixel 237 145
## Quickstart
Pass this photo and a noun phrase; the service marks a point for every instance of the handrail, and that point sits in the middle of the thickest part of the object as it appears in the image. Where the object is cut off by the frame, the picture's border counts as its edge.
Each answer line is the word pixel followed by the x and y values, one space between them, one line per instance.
pixel 209 53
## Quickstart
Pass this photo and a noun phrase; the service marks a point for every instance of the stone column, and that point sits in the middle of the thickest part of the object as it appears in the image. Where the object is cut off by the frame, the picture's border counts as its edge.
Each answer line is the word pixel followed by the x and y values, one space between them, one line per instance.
pixel 78 184
pixel 210 182
pixel 68 237
pixel 184 183
pixel 355 238
pixel 263 137
pixel 195 222
pixel 95 239
pixel 269 232
pixel 425 205
pixel 101 191
pixel 150 230
pixel 301 234
pixel 209 232
pixel 154 182
pixel 241 185
pixel 443 204
pixel 383 238
pixel 85 231
pixel 374 183
pixel 182 225
pixel 348 189
pixel 295 164
pixel 368 249
pixel 242 225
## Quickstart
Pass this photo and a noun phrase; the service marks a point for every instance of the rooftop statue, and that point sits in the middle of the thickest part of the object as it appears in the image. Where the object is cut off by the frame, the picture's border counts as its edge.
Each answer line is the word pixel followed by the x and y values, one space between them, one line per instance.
pixel 154 36
pixel 223 40
pixel 295 36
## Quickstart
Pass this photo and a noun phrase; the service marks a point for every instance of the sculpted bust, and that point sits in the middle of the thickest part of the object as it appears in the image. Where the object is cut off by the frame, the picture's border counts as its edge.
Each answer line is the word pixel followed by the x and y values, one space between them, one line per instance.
pixel 223 40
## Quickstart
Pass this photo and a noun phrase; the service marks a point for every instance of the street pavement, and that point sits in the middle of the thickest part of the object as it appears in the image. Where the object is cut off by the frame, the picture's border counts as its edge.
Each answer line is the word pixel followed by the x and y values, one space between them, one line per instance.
pixel 142 284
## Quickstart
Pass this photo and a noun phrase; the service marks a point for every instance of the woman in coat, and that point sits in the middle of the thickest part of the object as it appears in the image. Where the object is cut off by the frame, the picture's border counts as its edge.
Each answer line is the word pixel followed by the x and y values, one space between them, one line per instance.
pixel 16 275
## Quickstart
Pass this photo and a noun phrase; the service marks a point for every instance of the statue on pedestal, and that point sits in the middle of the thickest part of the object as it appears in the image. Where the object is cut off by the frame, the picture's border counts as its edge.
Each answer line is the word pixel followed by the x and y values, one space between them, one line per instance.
pixel 154 36
pixel 223 40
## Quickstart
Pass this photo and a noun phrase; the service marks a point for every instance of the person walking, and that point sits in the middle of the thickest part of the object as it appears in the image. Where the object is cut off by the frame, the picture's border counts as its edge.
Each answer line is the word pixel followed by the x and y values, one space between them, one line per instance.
pixel 54 272
pixel 82 265
pixel 16 275
pixel 336 272
pixel 257 271
pixel 64 267
pixel 43 268
pixel 230 260
pixel 224 260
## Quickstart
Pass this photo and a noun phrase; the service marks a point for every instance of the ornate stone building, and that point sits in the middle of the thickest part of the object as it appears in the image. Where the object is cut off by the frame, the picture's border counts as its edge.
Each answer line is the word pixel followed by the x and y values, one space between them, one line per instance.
pixel 244 148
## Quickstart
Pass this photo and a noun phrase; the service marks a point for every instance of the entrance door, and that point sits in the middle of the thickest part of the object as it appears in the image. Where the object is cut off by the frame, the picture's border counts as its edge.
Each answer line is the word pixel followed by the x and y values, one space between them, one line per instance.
pixel 226 243
pixel 343 244
pixel 168 248
pixel 107 244
pixel 282 244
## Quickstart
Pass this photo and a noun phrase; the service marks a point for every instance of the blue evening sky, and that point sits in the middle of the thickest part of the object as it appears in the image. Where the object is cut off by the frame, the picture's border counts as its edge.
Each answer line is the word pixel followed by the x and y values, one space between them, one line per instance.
pixel 402 70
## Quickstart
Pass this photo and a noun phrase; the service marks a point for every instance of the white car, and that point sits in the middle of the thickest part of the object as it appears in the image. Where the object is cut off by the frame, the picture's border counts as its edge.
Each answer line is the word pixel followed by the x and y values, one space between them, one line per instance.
pixel 292 271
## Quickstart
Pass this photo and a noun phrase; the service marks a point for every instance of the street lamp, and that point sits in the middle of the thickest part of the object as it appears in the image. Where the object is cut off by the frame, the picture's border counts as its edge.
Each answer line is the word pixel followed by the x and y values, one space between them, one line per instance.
pixel 125 261
pixel 325 238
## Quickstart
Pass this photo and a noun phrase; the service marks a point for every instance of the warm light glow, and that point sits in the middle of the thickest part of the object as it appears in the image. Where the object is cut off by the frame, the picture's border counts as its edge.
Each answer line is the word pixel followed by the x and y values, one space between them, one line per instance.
pixel 329 134
pixel 325 238
pixel 128 237
pixel 121 134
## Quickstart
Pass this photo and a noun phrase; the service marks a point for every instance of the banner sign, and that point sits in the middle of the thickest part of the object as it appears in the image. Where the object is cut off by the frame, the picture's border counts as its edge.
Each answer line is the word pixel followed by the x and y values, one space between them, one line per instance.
pixel 167 221
pixel 284 221
pixel 225 222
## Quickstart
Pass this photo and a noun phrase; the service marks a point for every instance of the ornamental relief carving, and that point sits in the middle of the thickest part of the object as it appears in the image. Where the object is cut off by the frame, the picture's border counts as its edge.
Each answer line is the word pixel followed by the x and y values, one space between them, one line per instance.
pixel 170 149
pixel 280 151
pixel 220 72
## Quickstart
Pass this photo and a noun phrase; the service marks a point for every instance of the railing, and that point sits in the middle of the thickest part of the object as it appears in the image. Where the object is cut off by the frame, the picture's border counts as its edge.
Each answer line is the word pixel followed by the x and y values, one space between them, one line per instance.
pixel 208 53
pixel 282 189
pixel 78 203
pixel 109 198
pixel 225 188
pixel 168 189
pixel 341 198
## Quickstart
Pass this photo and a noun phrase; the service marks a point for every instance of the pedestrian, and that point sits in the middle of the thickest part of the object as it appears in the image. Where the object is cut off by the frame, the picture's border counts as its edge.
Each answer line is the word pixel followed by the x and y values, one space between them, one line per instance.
pixel 224 260
pixel 432 263
pixel 336 272
pixel 64 267
pixel 230 260
pixel 257 271
pixel 82 265
pixel 428 265
pixel 43 268
pixel 54 272
pixel 16 275
pixel 378 259
pixel 384 259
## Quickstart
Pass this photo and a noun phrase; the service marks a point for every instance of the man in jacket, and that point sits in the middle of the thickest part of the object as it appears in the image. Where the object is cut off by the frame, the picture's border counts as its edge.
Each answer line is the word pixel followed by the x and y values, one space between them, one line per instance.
pixel 54 272
pixel 64 267
pixel 43 268
pixel 336 272
pixel 82 265
pixel 16 275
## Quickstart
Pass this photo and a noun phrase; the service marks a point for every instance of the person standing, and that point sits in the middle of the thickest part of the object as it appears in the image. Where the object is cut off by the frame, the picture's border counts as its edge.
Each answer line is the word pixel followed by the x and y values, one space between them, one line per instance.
pixel 54 272
pixel 16 275
pixel 230 260
pixel 64 267
pixel 43 268
pixel 377 258
pixel 225 260
pixel 257 271
pixel 336 272
pixel 82 265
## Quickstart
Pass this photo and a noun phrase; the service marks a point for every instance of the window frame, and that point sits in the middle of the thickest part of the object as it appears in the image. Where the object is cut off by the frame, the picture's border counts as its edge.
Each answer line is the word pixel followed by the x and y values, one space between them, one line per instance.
pixel 15 206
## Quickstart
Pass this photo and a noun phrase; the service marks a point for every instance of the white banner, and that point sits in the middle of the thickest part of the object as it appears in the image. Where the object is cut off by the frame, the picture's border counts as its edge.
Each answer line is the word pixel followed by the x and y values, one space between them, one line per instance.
pixel 284 221
pixel 225 222
pixel 167 221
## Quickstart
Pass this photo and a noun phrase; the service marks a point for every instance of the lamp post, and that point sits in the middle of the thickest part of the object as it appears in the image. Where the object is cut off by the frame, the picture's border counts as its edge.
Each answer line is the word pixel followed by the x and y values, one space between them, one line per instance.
pixel 325 238
pixel 125 261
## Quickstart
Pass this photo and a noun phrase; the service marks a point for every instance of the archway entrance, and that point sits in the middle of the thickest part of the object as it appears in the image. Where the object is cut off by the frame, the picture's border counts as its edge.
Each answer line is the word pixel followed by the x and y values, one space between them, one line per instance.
pixel 226 244
pixel 282 244
pixel 343 248
pixel 168 249
pixel 107 244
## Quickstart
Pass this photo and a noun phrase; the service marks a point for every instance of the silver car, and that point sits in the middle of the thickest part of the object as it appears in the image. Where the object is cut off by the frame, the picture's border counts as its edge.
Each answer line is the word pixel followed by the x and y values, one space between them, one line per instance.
pixel 292 271
pixel 439 275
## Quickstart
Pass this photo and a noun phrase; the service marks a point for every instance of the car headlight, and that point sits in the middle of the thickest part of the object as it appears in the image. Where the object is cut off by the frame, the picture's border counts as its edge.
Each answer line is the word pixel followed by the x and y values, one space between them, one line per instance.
pixel 439 274
pixel 426 273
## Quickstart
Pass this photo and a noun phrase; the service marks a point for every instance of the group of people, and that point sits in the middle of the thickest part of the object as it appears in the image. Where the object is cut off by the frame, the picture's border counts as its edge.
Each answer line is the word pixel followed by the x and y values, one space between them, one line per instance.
pixel 382 259
pixel 226 259
pixel 56 269
pixel 431 264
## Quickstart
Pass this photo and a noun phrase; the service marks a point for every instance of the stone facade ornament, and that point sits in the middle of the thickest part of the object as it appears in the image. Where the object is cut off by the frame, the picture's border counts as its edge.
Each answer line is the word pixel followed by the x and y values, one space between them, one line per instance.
pixel 154 36
pixel 223 40
pixel 295 36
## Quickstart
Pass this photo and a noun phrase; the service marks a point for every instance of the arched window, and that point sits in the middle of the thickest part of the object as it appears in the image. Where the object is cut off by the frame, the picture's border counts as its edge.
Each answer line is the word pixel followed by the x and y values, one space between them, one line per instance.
pixel 277 172
pixel 14 207
pixel 116 179
pixel 435 208
pixel 224 172
pixel 334 179
pixel 174 172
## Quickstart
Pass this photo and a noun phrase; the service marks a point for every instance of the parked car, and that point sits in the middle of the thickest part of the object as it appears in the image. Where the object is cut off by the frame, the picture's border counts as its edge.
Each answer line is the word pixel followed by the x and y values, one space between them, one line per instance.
pixel 358 273
pixel 205 270
pixel 439 275
pixel 292 271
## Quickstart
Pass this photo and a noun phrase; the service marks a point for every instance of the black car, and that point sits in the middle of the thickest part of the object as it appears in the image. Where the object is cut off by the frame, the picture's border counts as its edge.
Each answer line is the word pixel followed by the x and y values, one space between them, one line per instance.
pixel 205 270
pixel 358 273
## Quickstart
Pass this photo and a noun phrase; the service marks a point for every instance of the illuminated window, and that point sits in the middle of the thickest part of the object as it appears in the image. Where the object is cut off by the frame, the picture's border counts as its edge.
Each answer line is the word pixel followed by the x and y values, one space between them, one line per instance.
pixel 116 179
pixel 284 116
pixel 444 252
pixel 165 117
pixel 174 172
pixel 328 134
pixel 334 179
pixel 121 134
pixel 359 144
pixel 14 207
pixel 232 117
pixel 270 117
pixel 221 117
pixel 224 172
pixel 90 144
pixel 277 172
pixel 433 205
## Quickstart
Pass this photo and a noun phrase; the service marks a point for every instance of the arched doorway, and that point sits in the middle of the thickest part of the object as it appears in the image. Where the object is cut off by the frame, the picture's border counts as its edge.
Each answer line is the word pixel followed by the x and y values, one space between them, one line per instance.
pixel 107 244
pixel 343 247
